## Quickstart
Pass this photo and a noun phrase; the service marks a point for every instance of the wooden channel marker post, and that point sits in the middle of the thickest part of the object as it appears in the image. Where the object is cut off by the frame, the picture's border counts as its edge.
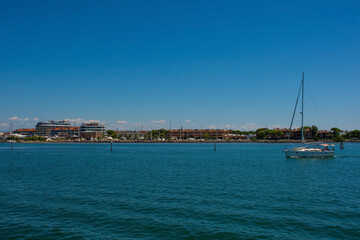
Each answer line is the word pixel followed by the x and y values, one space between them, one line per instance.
pixel 111 145
pixel 215 145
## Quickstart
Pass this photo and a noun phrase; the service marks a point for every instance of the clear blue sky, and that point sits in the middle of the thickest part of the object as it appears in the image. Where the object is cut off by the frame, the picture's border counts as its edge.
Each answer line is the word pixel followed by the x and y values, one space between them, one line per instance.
pixel 223 64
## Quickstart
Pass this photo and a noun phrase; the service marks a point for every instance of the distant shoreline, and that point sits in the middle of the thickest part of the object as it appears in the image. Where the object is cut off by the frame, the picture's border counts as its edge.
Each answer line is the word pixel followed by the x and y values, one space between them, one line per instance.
pixel 185 142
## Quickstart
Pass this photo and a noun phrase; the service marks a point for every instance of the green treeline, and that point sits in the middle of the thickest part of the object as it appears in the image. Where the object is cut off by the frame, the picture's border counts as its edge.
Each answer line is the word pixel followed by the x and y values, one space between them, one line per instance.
pixel 335 134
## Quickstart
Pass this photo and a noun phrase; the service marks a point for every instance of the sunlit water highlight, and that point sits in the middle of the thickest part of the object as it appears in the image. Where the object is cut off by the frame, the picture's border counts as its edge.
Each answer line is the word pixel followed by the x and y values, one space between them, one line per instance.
pixel 176 191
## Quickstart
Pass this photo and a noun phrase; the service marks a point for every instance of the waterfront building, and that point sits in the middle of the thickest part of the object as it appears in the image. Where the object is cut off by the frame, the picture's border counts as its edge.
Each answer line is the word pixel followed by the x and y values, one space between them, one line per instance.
pixel 199 134
pixel 132 135
pixel 324 134
pixel 295 133
pixel 28 132
pixel 44 128
pixel 237 137
pixel 65 132
pixel 92 130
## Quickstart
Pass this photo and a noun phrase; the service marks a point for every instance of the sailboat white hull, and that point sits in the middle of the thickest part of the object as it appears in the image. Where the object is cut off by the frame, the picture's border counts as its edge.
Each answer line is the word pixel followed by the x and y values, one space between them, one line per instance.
pixel 308 154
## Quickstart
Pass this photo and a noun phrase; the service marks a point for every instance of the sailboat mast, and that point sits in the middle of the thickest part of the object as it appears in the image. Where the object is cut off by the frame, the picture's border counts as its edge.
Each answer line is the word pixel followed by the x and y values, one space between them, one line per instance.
pixel 302 111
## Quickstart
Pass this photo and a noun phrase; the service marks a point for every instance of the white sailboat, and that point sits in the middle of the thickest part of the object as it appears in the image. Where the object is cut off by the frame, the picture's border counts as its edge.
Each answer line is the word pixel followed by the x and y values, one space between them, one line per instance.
pixel 309 151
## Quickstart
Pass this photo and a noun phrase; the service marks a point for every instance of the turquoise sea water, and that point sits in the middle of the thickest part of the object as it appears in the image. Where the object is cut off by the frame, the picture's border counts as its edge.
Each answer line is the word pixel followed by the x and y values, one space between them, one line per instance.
pixel 176 191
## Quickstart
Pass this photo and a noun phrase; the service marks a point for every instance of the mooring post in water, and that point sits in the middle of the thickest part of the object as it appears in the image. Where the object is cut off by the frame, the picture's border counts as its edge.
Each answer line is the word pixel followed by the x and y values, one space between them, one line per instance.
pixel 12 146
pixel 341 145
pixel 215 145
pixel 111 146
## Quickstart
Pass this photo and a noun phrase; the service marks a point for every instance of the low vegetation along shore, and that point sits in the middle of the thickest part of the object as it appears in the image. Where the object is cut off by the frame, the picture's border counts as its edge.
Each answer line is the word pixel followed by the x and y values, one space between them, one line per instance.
pixel 173 141
pixel 262 135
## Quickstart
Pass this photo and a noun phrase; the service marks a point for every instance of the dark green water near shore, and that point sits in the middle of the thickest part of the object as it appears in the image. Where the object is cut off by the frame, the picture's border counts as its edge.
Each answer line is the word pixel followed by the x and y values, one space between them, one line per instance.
pixel 176 191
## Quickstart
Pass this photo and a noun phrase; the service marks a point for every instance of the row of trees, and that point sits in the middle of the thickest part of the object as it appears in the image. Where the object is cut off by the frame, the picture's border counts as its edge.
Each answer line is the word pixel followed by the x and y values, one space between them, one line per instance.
pixel 32 138
pixel 355 134
pixel 275 134
pixel 336 134
pixel 265 133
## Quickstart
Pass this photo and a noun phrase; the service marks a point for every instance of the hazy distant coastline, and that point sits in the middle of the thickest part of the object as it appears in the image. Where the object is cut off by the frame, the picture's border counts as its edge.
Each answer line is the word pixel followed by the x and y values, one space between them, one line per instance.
pixel 199 142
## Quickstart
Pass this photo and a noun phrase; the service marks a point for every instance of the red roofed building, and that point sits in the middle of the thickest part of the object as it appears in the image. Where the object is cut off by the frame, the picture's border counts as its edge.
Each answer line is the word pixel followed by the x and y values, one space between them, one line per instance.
pixel 65 132
pixel 199 133
pixel 25 131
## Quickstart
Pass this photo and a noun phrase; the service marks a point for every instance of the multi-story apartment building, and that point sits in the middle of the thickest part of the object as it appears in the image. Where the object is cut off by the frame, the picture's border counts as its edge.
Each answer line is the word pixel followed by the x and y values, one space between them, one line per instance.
pixel 92 130
pixel 44 128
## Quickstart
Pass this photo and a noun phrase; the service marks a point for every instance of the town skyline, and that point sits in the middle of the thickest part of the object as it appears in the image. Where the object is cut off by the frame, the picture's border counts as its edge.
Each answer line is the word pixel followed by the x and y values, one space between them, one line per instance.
pixel 23 123
pixel 95 131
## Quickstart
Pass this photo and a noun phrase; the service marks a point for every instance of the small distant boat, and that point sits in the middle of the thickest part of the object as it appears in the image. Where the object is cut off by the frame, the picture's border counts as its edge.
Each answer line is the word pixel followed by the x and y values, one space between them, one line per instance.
pixel 310 151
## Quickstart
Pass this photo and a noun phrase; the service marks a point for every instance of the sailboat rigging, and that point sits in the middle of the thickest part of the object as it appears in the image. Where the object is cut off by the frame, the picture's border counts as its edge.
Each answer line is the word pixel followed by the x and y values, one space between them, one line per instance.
pixel 318 150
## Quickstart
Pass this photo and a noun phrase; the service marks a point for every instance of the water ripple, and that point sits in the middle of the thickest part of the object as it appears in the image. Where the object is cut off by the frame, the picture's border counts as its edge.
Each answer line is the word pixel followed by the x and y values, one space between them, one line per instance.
pixel 145 191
